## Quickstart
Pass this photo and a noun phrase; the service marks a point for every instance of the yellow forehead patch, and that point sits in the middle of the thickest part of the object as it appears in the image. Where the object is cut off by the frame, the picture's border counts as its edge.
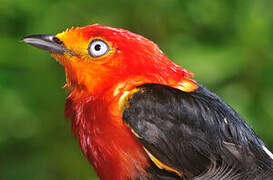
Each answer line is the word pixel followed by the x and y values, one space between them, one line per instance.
pixel 76 42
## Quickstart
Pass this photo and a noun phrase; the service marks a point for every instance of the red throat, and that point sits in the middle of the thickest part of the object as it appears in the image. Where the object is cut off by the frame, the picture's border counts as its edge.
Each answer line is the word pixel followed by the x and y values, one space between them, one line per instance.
pixel 104 139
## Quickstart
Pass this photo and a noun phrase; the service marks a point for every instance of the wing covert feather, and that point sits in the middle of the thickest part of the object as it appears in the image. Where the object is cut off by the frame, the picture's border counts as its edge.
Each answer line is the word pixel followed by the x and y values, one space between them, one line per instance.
pixel 191 131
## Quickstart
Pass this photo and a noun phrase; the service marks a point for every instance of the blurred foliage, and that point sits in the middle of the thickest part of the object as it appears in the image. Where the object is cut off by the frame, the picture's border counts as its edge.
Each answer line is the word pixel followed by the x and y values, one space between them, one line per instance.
pixel 227 44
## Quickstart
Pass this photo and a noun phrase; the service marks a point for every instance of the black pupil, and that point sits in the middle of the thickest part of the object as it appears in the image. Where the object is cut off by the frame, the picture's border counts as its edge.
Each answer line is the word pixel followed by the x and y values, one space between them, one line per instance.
pixel 97 47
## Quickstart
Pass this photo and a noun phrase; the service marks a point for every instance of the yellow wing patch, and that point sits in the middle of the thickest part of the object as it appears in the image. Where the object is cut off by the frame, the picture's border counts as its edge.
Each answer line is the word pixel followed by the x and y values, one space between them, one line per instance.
pixel 123 103
pixel 157 162
pixel 187 86
pixel 161 165
pixel 138 136
pixel 123 100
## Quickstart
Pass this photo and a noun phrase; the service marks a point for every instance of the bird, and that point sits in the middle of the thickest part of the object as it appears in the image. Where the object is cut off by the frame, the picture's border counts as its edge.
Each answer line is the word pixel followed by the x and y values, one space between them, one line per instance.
pixel 139 116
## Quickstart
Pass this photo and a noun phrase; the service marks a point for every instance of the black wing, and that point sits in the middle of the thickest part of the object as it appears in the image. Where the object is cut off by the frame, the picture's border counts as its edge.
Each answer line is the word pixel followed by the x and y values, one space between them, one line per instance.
pixel 196 134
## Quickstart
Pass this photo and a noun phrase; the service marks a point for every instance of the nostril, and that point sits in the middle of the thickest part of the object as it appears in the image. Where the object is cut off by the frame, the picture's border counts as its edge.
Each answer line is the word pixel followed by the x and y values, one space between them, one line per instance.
pixel 57 40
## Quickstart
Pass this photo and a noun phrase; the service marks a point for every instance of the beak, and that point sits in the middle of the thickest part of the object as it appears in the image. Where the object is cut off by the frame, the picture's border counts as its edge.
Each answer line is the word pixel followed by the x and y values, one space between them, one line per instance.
pixel 47 42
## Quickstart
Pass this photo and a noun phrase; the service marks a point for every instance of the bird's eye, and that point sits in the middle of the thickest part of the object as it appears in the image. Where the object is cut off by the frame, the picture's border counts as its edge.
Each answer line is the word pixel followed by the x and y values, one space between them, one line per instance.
pixel 97 48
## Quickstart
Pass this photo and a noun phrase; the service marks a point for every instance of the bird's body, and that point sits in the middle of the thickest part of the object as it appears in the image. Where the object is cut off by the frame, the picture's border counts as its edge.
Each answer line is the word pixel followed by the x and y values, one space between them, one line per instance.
pixel 138 115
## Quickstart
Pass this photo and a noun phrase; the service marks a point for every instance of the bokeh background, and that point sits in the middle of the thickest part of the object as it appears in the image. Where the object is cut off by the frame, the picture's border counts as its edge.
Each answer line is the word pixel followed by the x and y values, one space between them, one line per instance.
pixel 227 44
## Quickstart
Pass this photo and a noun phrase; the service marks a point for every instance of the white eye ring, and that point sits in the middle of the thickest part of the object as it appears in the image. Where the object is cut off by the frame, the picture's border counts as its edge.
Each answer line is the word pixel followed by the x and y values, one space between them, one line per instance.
pixel 97 48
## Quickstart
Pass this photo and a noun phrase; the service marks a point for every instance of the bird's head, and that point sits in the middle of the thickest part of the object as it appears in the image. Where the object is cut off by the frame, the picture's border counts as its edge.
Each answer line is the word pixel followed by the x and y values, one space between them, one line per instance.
pixel 96 58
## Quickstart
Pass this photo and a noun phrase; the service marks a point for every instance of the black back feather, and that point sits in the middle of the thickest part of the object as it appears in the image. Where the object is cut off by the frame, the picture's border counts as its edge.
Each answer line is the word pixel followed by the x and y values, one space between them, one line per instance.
pixel 197 134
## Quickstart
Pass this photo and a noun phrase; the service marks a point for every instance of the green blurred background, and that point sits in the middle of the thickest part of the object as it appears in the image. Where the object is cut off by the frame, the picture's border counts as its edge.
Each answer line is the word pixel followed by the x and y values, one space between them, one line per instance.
pixel 226 43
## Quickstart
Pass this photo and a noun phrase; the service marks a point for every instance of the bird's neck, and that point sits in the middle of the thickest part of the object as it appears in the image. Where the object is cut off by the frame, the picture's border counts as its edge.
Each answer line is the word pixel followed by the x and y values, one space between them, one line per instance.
pixel 105 140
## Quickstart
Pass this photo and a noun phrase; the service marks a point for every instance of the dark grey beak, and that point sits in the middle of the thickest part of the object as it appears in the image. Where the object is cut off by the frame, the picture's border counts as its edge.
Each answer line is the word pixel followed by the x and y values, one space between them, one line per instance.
pixel 47 42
